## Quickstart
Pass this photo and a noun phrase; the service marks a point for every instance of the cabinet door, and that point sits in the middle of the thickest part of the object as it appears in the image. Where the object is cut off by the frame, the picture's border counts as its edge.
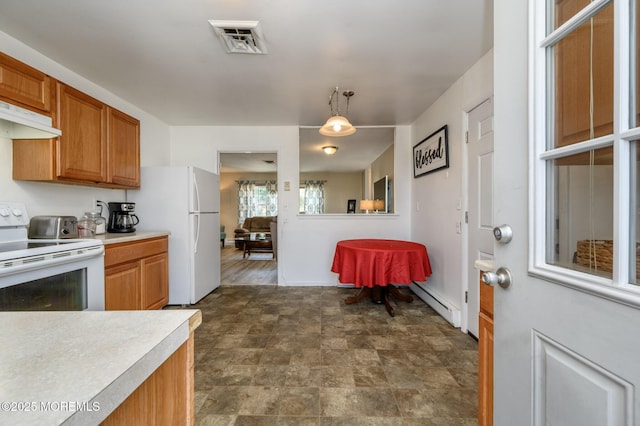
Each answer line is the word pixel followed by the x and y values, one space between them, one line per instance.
pixel 82 148
pixel 20 84
pixel 485 371
pixel 155 281
pixel 124 149
pixel 122 287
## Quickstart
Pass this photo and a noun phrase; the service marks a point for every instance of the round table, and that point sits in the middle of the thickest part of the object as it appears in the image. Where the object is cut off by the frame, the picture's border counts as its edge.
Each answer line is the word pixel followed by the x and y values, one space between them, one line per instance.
pixel 375 264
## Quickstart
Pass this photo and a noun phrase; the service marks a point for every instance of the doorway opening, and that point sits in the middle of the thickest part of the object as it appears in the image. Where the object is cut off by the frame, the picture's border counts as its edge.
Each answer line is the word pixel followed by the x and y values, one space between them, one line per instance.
pixel 248 213
pixel 479 214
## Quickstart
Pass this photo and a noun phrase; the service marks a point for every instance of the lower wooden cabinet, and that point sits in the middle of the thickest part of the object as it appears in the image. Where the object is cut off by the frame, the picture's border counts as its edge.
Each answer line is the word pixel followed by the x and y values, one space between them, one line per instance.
pixel 155 291
pixel 122 285
pixel 166 397
pixel 485 356
pixel 137 274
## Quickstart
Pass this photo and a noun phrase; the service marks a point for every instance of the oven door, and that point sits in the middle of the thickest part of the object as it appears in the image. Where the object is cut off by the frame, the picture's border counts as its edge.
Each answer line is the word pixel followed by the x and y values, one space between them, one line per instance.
pixel 59 284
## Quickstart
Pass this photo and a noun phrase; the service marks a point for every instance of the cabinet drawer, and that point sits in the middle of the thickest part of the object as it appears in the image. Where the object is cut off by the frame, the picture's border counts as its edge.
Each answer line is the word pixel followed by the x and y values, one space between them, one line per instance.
pixel 124 252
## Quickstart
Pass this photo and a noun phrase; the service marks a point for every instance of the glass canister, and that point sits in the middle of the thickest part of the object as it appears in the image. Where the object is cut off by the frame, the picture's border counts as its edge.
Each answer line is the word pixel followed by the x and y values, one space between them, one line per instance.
pixel 86 227
pixel 92 224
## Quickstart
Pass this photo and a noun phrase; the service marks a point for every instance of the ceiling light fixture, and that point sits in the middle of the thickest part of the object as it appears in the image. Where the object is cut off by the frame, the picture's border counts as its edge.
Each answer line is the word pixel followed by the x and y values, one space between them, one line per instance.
pixel 337 125
pixel 329 149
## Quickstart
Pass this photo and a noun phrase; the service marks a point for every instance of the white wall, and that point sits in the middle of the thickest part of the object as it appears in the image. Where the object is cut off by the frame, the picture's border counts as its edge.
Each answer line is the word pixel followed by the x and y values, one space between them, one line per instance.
pixel 436 196
pixel 306 243
pixel 47 198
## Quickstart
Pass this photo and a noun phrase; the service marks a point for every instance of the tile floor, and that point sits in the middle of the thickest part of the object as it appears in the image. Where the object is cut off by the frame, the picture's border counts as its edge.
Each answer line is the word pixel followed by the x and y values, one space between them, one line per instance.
pixel 268 355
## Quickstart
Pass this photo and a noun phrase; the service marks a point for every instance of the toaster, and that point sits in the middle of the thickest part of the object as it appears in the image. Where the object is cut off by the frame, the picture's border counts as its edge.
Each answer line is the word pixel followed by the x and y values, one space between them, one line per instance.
pixel 53 227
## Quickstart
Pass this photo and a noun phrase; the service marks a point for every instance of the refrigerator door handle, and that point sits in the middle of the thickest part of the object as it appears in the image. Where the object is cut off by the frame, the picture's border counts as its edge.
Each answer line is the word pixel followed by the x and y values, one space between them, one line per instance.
pixel 197 192
pixel 196 217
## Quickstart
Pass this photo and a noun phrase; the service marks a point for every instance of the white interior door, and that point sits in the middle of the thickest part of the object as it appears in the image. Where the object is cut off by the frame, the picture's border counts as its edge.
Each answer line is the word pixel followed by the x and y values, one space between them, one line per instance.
pixel 566 352
pixel 480 201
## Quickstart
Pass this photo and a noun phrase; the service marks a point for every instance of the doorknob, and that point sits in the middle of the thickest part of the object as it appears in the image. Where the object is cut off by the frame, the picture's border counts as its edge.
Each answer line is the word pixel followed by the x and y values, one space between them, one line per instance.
pixel 503 234
pixel 502 277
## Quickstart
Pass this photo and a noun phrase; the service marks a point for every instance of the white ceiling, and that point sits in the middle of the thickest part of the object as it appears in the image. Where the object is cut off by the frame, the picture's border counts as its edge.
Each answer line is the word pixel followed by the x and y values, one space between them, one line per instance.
pixel 164 57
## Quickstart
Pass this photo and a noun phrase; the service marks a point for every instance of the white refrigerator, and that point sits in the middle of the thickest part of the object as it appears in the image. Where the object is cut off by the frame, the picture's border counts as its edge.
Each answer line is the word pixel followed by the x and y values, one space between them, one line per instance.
pixel 186 202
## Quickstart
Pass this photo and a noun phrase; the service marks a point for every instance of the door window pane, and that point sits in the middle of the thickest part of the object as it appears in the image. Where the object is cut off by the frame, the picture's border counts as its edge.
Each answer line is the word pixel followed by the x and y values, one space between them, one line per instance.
pixel 583 82
pixel 635 61
pixel 565 9
pixel 634 222
pixel 580 208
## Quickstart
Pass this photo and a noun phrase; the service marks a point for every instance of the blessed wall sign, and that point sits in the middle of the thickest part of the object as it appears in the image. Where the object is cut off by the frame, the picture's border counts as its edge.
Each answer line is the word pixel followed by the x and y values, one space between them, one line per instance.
pixel 431 153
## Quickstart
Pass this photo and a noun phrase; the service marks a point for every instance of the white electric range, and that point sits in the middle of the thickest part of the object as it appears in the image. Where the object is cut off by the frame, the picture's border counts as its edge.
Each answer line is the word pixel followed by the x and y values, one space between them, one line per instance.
pixel 43 274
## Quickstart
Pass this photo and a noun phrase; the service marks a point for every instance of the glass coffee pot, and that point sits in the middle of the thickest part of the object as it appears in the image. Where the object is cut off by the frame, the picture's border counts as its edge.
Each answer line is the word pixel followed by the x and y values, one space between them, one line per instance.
pixel 122 217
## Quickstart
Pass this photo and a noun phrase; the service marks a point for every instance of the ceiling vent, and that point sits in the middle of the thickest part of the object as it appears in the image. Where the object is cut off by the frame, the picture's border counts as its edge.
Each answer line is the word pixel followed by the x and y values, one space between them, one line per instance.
pixel 240 36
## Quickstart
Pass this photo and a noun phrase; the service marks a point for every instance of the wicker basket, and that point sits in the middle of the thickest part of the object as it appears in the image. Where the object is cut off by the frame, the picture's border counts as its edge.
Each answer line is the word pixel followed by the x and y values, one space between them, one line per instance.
pixel 601 256
pixel 597 254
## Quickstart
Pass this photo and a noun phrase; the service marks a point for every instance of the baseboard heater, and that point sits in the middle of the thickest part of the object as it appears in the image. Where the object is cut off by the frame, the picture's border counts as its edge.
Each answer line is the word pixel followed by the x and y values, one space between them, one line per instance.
pixel 437 303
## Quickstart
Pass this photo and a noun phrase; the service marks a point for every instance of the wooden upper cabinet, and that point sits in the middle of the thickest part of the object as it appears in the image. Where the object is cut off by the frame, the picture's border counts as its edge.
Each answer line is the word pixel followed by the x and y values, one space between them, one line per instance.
pixel 124 149
pixel 99 146
pixel 82 148
pixel 24 86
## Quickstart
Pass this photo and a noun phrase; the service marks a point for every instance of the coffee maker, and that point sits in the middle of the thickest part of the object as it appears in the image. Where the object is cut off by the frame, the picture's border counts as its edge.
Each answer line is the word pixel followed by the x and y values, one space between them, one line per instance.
pixel 122 217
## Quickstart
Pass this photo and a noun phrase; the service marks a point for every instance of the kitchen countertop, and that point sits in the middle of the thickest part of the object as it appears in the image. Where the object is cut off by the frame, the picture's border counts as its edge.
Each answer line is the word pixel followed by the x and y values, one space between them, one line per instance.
pixel 484 265
pixel 53 363
pixel 124 237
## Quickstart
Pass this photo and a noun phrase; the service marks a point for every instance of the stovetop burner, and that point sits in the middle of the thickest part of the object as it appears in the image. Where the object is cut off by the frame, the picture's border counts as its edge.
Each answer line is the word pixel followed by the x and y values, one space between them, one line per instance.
pixel 14 243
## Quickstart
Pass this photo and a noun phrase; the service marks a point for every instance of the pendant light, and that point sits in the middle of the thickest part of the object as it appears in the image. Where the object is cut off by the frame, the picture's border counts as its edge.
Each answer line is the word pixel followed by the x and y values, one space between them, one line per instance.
pixel 337 125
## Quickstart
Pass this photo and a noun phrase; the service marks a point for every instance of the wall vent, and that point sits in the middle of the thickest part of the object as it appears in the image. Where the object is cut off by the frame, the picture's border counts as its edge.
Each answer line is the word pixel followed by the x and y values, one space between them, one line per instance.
pixel 240 36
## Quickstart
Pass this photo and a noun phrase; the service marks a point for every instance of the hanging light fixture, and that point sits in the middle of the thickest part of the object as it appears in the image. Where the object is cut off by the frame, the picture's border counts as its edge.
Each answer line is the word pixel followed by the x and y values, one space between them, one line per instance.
pixel 329 149
pixel 337 125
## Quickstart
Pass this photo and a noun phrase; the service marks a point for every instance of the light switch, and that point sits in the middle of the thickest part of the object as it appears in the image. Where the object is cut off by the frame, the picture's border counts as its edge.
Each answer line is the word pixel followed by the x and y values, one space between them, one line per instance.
pixel 287 185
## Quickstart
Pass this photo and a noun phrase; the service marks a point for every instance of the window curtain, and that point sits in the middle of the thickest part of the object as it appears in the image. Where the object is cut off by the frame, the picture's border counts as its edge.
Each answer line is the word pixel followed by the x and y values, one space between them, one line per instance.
pixel 314 196
pixel 251 204
pixel 272 197
pixel 245 200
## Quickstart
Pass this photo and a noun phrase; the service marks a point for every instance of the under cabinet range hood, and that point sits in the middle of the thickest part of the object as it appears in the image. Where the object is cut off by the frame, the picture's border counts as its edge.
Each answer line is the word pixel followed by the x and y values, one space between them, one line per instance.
pixel 21 123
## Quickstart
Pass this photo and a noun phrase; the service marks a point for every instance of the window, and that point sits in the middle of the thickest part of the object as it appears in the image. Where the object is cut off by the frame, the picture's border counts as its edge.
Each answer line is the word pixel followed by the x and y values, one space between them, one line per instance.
pixel 585 127
pixel 257 199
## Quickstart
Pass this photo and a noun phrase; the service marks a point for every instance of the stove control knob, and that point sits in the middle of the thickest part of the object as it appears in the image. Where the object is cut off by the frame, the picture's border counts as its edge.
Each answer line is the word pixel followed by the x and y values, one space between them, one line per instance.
pixel 17 212
pixel 4 212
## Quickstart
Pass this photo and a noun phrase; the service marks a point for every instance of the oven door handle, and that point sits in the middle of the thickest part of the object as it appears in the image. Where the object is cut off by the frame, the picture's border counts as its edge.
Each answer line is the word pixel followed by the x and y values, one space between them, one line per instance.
pixel 44 261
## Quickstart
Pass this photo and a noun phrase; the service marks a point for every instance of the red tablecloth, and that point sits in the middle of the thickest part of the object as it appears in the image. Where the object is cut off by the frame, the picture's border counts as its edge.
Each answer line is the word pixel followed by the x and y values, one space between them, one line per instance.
pixel 370 262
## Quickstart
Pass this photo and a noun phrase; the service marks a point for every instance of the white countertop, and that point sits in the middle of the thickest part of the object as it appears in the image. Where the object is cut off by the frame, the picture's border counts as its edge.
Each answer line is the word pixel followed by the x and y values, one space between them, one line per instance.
pixel 124 237
pixel 52 361
pixel 484 265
